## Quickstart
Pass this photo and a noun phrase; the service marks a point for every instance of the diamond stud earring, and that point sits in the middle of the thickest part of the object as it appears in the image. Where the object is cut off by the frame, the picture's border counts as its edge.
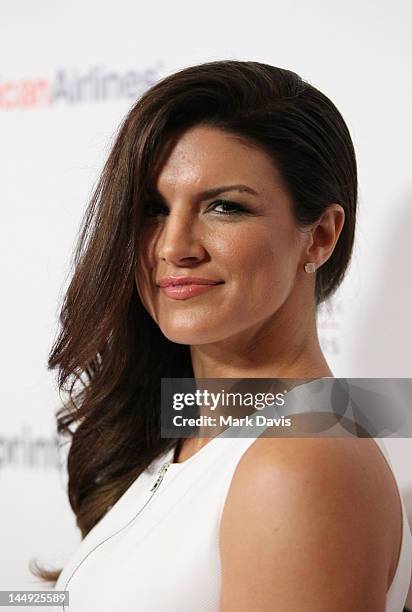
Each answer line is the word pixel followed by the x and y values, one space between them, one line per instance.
pixel 310 267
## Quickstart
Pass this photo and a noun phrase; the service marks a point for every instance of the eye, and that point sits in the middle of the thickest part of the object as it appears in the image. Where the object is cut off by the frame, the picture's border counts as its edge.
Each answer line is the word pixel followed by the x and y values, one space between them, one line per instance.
pixel 151 208
pixel 234 208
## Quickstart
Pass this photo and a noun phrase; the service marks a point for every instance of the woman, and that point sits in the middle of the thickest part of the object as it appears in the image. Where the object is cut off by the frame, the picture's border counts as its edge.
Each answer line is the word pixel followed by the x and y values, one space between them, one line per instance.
pixel 240 176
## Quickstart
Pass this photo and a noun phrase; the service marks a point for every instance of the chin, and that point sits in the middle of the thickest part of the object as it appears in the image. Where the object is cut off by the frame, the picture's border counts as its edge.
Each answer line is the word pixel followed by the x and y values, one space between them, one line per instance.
pixel 189 334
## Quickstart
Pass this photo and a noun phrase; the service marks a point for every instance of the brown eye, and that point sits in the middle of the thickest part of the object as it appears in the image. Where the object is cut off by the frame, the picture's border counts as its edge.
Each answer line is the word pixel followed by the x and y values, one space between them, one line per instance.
pixel 230 208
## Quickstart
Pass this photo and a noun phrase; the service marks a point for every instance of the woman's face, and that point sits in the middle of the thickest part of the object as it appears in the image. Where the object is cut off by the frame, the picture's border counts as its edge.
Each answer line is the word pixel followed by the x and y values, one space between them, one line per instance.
pixel 242 238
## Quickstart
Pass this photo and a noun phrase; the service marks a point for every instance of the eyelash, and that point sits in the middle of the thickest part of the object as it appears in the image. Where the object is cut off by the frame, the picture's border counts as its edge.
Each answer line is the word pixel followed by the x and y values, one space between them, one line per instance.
pixel 238 208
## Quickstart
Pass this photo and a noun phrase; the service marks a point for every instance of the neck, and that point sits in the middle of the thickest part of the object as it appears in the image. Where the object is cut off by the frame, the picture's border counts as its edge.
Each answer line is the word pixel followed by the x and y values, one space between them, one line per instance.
pixel 276 348
pixel 282 347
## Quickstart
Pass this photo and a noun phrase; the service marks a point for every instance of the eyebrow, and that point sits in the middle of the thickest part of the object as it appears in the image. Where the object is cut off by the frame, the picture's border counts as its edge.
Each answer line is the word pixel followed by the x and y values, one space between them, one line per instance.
pixel 211 193
pixel 214 191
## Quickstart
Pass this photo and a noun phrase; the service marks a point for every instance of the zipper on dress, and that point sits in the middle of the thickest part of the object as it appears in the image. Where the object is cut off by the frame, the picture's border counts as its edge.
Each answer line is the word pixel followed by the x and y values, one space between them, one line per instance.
pixel 161 474
pixel 162 471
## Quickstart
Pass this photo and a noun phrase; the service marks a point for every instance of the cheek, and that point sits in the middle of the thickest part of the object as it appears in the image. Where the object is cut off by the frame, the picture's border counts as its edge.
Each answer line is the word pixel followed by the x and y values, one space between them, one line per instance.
pixel 145 269
pixel 260 262
pixel 145 291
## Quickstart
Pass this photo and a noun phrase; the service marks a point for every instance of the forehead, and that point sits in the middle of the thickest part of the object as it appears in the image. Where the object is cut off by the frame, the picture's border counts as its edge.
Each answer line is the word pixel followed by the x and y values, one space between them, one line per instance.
pixel 205 156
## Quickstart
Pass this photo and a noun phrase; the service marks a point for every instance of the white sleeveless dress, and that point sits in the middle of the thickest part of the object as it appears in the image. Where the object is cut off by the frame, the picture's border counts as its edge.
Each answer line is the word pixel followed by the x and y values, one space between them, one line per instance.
pixel 157 550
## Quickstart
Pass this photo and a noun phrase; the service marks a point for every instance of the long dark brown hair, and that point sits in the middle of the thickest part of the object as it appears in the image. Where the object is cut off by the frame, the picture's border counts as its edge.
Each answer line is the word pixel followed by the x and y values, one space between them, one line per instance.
pixel 109 353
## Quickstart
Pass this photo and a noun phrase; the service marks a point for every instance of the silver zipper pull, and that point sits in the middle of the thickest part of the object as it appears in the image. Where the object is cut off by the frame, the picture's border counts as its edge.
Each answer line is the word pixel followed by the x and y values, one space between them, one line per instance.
pixel 162 472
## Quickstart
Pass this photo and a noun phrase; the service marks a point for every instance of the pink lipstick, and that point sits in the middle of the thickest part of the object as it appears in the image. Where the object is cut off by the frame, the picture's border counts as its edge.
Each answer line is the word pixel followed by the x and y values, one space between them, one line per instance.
pixel 185 287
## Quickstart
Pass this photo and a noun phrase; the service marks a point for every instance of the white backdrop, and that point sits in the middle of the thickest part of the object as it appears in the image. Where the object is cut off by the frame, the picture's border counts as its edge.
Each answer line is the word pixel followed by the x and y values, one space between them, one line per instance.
pixel 69 73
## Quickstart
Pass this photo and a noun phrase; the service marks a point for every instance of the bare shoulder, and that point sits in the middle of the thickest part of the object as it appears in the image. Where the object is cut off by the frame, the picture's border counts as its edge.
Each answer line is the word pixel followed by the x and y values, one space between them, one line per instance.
pixel 310 523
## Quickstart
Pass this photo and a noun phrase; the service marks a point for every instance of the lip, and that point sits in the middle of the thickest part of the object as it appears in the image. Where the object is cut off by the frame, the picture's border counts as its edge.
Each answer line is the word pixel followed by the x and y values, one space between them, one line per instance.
pixel 186 280
pixel 184 292
pixel 185 287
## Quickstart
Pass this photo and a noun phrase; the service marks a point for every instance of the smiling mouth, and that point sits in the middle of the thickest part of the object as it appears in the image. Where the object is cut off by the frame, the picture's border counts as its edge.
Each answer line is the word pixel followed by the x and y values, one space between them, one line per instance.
pixel 185 292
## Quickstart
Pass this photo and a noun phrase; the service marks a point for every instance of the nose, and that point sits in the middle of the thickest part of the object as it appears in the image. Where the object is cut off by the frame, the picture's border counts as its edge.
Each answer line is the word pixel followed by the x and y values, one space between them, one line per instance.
pixel 180 241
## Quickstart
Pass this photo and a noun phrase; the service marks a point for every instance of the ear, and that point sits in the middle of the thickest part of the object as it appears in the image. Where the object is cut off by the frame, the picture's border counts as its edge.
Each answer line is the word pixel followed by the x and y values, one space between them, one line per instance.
pixel 324 235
